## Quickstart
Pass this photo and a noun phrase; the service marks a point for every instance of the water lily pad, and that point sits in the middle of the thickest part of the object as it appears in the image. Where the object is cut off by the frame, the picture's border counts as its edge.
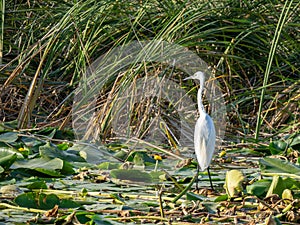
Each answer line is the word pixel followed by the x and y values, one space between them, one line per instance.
pixel 221 198
pixel 67 203
pixel 108 165
pixel 63 146
pixel 131 175
pixel 233 183
pixel 277 147
pixel 50 151
pixel 100 220
pixel 279 184
pixel 275 166
pixel 9 137
pixel 8 126
pixel 92 153
pixel 7 159
pixel 295 143
pixel 259 188
pixel 31 142
pixel 140 158
pixel 54 164
pixel 6 150
pixel 36 200
pixel 117 198
pixel 37 185
pixel 67 168
pixel 46 166
pixel 158 176
pixel 194 197
pixel 276 186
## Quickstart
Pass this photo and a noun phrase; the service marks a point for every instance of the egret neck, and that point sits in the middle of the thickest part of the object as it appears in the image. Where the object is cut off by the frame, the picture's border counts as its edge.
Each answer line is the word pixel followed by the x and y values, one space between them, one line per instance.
pixel 199 95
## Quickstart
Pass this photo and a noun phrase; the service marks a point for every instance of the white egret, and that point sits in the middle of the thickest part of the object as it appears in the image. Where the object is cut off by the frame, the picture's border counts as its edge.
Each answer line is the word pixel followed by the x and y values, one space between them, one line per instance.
pixel 204 134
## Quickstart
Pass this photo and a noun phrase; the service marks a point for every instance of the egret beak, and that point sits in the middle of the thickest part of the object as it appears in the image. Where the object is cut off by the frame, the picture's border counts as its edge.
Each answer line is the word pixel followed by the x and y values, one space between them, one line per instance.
pixel 198 75
pixel 188 78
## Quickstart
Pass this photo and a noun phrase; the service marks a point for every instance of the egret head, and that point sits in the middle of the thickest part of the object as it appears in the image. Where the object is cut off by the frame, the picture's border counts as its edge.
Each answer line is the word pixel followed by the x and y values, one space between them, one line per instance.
pixel 198 75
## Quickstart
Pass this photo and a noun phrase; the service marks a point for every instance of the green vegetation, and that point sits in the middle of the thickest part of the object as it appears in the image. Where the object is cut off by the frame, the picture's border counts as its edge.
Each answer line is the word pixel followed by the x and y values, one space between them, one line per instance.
pixel 47 177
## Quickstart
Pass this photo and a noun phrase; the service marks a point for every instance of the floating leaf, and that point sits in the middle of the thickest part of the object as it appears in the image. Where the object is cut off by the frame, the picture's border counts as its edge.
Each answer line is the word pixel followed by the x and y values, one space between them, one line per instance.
pixel 121 155
pixel 295 143
pixel 7 150
pixel 67 168
pixel 118 199
pixel 37 185
pixel 67 203
pixel 31 142
pixel 277 166
pixel 279 184
pixel 54 164
pixel 140 158
pixel 259 188
pixel 108 166
pixel 158 176
pixel 50 151
pixel 131 175
pixel 7 159
pixel 47 201
pixel 100 220
pixel 26 200
pixel 277 147
pixel 37 200
pixel 93 154
pixel 221 198
pixel 42 165
pixel 7 126
pixel 63 146
pixel 194 197
pixel 51 173
pixel 47 131
pixel 233 182
pixel 276 186
pixel 9 137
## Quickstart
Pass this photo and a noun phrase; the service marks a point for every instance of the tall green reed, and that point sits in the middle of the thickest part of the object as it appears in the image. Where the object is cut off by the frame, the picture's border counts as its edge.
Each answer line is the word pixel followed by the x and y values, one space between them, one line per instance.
pixel 280 24
pixel 2 9
pixel 58 42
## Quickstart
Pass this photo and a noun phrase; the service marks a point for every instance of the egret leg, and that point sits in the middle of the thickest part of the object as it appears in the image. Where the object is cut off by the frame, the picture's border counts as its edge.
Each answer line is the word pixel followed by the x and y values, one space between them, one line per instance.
pixel 211 185
pixel 197 178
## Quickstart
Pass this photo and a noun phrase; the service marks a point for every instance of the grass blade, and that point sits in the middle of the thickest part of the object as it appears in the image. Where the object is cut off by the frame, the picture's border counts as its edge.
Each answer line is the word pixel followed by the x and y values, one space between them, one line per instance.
pixel 275 41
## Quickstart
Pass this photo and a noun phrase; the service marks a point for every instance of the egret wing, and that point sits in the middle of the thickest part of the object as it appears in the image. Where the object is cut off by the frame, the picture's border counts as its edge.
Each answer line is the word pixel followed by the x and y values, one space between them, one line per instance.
pixel 204 140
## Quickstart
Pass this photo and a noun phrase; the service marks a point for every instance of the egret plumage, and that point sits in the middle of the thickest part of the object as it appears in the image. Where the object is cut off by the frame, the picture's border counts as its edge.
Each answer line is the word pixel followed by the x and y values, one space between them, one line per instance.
pixel 204 133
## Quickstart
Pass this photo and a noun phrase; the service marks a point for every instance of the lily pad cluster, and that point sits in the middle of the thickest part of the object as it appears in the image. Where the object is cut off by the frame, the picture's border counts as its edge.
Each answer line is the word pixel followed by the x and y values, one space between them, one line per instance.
pixel 33 156
pixel 46 179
